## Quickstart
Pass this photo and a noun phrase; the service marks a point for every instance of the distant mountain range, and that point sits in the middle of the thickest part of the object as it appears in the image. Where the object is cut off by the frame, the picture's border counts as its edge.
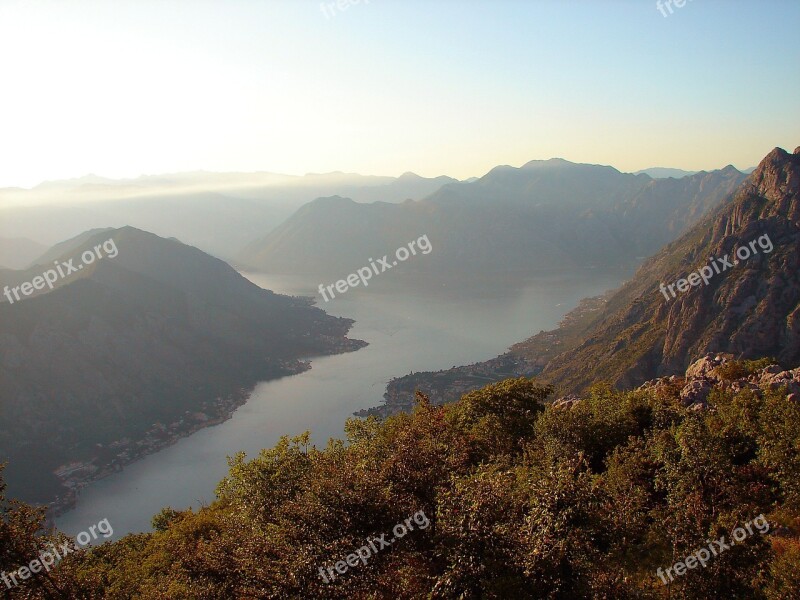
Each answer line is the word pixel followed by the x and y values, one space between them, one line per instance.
pixel 217 212
pixel 665 172
pixel 220 213
pixel 544 216
pixel 145 344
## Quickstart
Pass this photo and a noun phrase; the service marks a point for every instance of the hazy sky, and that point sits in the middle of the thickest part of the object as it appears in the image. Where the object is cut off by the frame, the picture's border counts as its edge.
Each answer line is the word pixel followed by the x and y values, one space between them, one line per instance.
pixel 120 88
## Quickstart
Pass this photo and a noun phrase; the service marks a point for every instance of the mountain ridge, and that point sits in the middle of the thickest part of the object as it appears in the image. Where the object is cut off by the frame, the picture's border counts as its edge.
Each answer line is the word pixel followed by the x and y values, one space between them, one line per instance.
pixel 510 221
pixel 750 310
pixel 157 333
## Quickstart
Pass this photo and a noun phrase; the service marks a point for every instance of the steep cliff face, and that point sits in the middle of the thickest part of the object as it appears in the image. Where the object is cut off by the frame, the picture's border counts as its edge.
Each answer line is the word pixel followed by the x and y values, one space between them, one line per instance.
pixel 735 281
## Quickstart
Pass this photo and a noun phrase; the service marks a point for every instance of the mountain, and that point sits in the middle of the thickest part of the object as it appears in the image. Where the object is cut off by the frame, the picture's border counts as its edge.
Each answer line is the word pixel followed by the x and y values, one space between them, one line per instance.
pixel 626 336
pixel 134 349
pixel 409 186
pixel 17 253
pixel 217 212
pixel 665 172
pixel 545 215
pixel 747 305
pixel 67 246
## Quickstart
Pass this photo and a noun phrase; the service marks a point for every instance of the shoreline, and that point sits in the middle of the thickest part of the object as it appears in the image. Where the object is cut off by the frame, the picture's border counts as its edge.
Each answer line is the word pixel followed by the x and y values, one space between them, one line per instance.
pixel 527 358
pixel 448 385
pixel 114 457
pixel 78 475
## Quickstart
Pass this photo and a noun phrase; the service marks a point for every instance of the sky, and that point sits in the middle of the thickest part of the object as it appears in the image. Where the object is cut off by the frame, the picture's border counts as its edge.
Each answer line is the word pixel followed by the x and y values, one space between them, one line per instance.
pixel 122 88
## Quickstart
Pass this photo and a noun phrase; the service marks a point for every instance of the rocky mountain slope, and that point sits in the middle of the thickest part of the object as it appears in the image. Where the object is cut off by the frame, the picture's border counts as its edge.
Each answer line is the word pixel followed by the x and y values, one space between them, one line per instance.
pixel 750 307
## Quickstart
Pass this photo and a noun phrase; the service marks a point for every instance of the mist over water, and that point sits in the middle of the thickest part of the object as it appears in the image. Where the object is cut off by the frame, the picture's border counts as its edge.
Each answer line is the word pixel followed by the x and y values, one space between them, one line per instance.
pixel 408 329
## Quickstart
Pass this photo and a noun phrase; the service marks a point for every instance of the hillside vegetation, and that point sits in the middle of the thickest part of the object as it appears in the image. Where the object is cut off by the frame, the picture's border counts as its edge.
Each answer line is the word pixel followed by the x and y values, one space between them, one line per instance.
pixel 525 499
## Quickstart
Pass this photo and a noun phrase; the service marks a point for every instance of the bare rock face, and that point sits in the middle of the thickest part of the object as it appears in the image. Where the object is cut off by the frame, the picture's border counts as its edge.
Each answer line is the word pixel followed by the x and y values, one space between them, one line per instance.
pixel 771 380
pixel 663 387
pixel 705 368
pixel 566 401
pixel 741 384
pixel 702 376
pixel 773 180
pixel 770 370
pixel 696 392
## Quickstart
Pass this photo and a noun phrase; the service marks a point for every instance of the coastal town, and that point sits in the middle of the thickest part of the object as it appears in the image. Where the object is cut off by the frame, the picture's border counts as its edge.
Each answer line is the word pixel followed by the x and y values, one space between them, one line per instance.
pixel 113 457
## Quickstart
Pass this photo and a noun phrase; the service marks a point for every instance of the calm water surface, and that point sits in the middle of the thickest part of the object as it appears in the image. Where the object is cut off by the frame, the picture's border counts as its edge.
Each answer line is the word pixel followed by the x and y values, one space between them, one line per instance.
pixel 408 330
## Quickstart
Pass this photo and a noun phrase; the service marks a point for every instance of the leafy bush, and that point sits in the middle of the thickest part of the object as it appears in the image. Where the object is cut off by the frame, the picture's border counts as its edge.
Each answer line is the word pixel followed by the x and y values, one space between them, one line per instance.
pixel 740 369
